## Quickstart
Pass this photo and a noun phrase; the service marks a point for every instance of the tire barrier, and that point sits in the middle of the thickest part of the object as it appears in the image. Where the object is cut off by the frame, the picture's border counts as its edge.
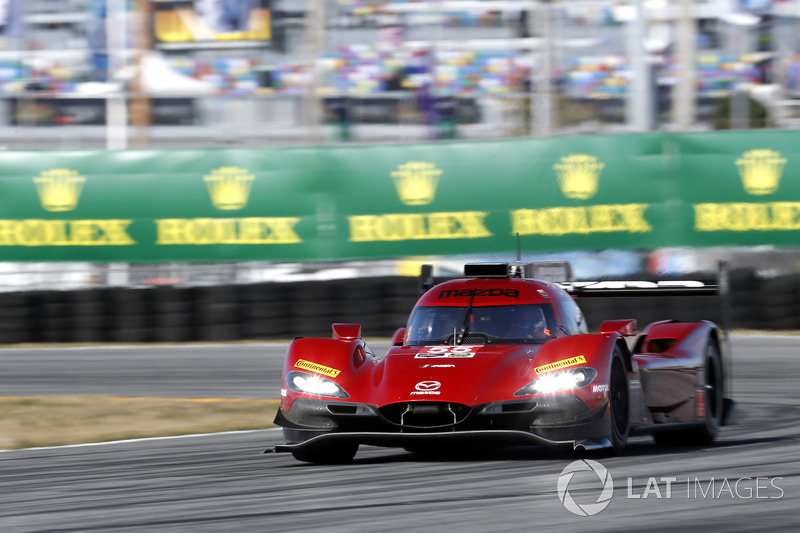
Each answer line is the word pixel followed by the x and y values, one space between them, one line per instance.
pixel 89 310
pixel 216 313
pixel 129 316
pixel 264 311
pixel 17 318
pixel 173 311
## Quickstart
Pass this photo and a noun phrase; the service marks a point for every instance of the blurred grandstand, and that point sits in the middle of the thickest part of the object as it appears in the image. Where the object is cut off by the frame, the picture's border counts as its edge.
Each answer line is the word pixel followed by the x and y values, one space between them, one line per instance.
pixel 179 73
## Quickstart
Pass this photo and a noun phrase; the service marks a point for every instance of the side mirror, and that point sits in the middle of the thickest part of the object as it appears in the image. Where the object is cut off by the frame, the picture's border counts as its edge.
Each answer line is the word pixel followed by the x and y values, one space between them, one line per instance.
pixel 398 337
pixel 346 332
pixel 625 327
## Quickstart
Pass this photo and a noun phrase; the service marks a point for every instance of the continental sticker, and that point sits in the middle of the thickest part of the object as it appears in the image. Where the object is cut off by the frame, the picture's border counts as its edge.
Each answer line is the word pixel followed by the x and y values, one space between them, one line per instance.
pixel 558 365
pixel 319 369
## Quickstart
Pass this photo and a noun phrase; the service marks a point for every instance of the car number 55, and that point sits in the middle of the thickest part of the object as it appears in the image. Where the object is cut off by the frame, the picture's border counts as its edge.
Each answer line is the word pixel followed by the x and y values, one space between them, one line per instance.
pixel 431 352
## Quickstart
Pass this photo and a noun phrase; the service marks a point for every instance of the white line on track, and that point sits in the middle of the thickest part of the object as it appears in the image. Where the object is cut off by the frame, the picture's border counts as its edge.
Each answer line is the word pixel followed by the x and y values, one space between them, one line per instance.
pixel 144 439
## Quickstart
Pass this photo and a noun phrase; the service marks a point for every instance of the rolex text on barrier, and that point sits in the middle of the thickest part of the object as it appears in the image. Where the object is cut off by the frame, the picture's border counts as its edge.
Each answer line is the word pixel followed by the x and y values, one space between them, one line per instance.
pixel 205 231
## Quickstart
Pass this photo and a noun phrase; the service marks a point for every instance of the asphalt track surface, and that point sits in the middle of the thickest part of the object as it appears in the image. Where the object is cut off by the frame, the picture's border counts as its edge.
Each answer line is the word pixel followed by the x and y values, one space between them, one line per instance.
pixel 749 480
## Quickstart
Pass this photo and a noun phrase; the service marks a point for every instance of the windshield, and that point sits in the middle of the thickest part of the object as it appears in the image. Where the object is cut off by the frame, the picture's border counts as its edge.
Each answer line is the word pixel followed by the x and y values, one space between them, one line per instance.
pixel 500 324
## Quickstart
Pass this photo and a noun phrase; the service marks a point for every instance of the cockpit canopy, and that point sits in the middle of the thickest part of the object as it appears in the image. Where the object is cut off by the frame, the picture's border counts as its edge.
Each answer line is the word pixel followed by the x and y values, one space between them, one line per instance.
pixel 495 324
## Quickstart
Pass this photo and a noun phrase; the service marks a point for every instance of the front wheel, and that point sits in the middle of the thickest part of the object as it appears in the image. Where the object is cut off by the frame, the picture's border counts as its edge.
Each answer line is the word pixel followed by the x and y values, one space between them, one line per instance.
pixel 619 404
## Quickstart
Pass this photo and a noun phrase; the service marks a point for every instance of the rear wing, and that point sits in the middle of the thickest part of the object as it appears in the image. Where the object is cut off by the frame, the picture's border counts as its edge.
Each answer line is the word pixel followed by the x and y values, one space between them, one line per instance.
pixel 607 289
pixel 639 288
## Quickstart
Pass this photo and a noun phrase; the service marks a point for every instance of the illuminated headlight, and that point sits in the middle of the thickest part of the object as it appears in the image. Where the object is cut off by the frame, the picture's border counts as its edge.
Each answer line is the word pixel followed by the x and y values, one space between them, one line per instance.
pixel 312 384
pixel 574 378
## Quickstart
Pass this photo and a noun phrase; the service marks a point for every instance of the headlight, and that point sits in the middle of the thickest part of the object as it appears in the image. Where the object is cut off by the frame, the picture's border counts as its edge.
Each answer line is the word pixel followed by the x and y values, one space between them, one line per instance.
pixel 574 378
pixel 313 384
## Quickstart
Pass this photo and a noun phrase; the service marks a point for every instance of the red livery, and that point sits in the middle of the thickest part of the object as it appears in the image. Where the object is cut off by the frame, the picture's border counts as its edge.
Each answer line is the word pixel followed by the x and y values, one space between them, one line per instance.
pixel 499 358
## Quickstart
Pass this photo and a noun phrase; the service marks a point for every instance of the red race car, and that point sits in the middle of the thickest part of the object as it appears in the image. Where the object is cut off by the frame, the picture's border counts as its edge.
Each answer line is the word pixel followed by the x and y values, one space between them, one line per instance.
pixel 500 358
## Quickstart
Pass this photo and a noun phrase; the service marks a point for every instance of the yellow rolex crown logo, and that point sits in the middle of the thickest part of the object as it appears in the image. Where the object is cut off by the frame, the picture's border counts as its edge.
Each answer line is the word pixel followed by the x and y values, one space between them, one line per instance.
pixel 578 175
pixel 761 171
pixel 229 187
pixel 416 182
pixel 59 189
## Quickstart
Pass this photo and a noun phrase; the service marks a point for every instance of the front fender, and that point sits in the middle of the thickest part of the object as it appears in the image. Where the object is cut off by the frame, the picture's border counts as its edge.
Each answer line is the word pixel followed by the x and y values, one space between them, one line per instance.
pixel 341 360
pixel 336 354
pixel 585 350
pixel 588 349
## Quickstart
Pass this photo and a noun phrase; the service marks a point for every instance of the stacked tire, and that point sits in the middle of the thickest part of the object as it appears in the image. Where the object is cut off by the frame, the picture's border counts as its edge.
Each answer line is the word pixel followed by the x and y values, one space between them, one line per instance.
pixel 129 315
pixel 216 312
pixel 313 307
pixel 778 306
pixel 265 311
pixel 744 299
pixel 53 316
pixel 361 304
pixel 88 310
pixel 173 314
pixel 17 319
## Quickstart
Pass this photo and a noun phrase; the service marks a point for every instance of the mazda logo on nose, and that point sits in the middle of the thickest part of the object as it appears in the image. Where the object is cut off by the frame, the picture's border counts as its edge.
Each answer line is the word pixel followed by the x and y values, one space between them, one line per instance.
pixel 428 385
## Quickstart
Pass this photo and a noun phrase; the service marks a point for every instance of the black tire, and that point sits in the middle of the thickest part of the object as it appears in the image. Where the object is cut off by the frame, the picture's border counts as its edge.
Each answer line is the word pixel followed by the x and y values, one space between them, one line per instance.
pixel 172 334
pixel 264 310
pixel 88 335
pixel 219 332
pixel 714 397
pixel 338 453
pixel 619 403
pixel 713 384
pixel 173 320
pixel 130 334
pixel 217 313
pixel 272 327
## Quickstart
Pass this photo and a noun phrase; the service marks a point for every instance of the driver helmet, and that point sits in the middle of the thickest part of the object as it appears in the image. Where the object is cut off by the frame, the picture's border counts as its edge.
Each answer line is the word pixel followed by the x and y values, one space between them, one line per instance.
pixel 531 322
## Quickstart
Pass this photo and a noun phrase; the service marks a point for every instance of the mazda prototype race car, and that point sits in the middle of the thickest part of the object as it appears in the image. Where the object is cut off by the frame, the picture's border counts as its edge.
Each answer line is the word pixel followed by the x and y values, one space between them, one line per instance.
pixel 498 358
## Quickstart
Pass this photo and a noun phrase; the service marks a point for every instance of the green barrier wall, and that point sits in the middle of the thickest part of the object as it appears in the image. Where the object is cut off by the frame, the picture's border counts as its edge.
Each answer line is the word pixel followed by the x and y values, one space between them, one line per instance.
pixel 361 202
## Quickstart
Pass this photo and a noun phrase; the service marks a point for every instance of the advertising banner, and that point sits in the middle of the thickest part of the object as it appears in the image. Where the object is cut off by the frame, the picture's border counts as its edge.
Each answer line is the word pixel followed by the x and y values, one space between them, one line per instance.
pixel 742 188
pixel 383 201
pixel 149 206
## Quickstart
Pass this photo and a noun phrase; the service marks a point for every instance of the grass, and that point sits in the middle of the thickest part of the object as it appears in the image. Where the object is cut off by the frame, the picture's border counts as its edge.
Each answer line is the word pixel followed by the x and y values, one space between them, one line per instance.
pixel 33 421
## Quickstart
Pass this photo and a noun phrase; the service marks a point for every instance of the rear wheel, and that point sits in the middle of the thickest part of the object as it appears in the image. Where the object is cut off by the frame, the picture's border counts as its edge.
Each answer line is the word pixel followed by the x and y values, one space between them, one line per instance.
pixel 713 394
pixel 712 399
pixel 337 453
pixel 619 403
